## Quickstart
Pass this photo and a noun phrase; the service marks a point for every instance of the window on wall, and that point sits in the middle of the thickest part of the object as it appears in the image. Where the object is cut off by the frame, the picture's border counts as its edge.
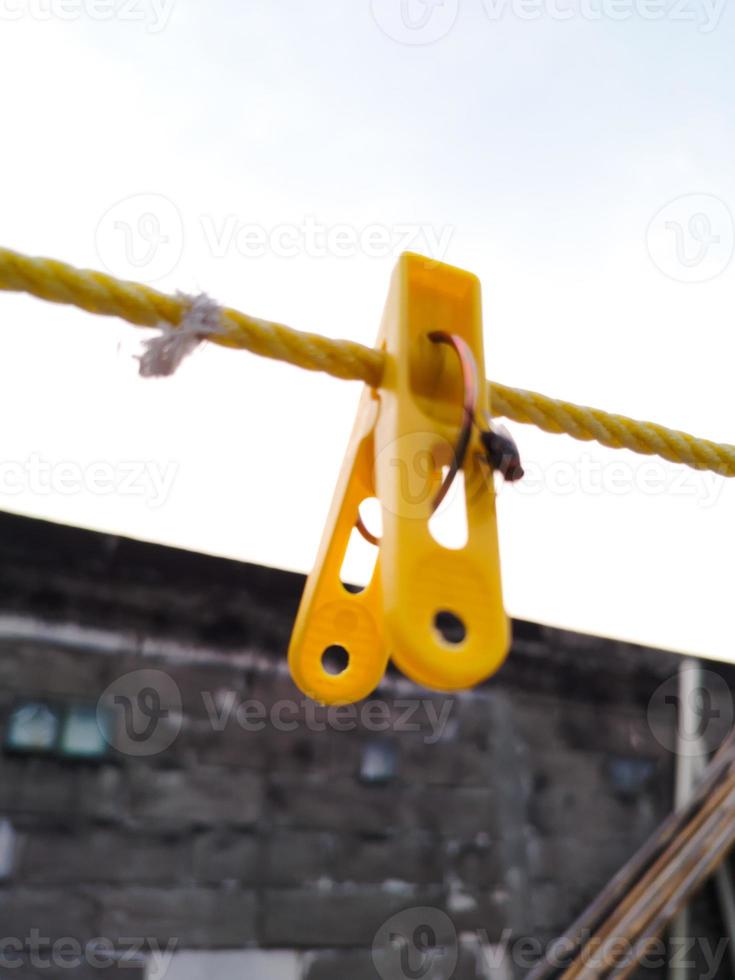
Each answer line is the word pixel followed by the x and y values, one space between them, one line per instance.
pixel 70 731
pixel 378 761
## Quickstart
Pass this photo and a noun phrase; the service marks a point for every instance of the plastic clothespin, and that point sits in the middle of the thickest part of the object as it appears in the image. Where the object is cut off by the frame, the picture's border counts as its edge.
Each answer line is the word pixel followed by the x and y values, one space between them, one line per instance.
pixel 403 440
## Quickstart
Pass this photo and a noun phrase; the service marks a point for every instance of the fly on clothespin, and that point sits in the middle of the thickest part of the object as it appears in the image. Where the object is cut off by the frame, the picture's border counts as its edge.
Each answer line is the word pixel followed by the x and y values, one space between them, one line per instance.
pixel 411 439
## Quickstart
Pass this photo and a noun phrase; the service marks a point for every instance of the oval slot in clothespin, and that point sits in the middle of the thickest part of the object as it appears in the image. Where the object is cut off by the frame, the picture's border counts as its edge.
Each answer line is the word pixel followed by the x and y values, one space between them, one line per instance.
pixel 330 616
pixel 425 585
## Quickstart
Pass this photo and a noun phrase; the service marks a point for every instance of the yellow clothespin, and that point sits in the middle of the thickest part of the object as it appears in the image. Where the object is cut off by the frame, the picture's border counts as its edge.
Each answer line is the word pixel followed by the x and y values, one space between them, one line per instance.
pixel 410 436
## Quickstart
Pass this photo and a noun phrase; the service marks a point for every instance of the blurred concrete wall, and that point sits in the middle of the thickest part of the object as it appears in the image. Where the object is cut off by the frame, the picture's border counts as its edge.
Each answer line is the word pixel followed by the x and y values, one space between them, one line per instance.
pixel 252 834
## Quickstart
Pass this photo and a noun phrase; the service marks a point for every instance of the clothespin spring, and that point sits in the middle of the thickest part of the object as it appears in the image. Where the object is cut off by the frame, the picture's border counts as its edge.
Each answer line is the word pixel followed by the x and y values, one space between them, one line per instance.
pixel 500 447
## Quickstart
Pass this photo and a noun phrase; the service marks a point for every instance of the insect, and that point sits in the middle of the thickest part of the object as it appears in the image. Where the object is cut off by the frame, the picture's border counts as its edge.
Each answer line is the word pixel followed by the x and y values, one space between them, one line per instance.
pixel 502 452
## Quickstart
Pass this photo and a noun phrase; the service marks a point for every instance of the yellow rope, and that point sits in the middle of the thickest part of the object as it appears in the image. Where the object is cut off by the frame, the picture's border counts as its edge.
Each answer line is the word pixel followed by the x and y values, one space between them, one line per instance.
pixel 97 292
pixel 100 293
pixel 616 431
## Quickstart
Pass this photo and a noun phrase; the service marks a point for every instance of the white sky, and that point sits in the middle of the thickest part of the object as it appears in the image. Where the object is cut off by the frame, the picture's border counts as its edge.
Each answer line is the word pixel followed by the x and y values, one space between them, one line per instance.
pixel 537 151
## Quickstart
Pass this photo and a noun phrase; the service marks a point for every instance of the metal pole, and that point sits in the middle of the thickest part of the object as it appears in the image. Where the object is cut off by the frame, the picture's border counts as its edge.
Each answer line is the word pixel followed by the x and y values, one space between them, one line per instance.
pixel 690 681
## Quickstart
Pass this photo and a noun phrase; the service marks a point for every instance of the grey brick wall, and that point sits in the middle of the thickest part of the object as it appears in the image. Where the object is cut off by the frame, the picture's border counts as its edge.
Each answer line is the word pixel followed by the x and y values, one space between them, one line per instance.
pixel 508 816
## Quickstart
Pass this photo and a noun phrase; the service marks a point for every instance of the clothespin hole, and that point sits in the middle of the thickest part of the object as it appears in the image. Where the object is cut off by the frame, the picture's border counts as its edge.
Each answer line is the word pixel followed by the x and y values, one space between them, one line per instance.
pixel 450 627
pixel 361 553
pixel 335 660
pixel 448 524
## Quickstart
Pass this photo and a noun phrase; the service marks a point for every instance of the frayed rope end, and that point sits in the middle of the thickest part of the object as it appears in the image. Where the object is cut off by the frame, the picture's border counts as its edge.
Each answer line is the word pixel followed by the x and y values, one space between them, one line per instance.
pixel 163 354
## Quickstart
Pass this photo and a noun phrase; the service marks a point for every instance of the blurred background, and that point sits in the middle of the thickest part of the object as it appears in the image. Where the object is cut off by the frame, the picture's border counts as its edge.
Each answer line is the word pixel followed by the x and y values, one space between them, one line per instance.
pixel 171 805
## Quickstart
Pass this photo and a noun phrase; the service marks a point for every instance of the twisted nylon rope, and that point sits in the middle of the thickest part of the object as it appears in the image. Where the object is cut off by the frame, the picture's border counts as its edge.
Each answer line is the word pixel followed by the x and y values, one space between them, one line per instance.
pixel 97 292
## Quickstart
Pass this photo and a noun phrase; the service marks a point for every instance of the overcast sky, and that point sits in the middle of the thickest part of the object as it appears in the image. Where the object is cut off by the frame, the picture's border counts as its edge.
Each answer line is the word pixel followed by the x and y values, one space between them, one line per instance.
pixel 576 154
